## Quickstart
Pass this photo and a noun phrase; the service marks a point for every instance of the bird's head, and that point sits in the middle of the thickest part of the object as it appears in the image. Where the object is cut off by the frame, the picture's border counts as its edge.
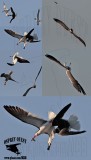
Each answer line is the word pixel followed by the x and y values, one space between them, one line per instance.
pixel 25 33
pixel 71 30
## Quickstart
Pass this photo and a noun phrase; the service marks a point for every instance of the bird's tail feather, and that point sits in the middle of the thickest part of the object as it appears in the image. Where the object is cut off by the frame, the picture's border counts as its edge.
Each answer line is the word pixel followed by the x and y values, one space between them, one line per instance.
pixel 74 123
pixel 35 36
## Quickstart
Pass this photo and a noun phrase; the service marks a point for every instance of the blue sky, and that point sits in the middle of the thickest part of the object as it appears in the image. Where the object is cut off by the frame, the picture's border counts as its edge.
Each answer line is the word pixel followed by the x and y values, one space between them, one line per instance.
pixel 69 147
pixel 23 73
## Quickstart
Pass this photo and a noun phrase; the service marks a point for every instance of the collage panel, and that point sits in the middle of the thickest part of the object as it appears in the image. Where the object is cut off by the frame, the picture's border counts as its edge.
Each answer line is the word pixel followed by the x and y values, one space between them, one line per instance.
pixel 66 48
pixel 21 48
pixel 45 127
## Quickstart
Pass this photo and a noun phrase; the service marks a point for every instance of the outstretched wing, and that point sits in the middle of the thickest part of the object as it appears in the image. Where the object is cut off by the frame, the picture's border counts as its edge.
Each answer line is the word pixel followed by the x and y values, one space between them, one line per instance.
pixel 75 82
pixel 65 132
pixel 61 23
pixel 55 60
pixel 28 35
pixel 25 116
pixel 21 59
pixel 79 87
pixel 34 86
pixel 13 34
pixel 80 39
pixel 38 14
pixel 38 73
pixel 10 64
pixel 12 10
pixel 60 114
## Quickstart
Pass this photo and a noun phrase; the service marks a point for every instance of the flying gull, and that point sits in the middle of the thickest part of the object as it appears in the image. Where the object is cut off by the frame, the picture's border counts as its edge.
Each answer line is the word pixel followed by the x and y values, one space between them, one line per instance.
pixel 7 77
pixel 38 18
pixel 27 37
pixel 47 126
pixel 34 85
pixel 70 30
pixel 17 58
pixel 73 81
pixel 5 9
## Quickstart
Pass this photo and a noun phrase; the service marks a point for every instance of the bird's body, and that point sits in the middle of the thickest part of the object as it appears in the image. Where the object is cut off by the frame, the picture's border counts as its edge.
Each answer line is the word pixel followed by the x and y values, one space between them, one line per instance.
pixel 38 18
pixel 46 126
pixel 73 81
pixel 7 77
pixel 26 38
pixel 17 58
pixel 5 9
pixel 70 30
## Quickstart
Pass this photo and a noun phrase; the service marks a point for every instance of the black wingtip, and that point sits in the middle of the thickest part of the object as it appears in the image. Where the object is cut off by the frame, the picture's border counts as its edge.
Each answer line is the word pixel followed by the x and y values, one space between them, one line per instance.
pixel 55 19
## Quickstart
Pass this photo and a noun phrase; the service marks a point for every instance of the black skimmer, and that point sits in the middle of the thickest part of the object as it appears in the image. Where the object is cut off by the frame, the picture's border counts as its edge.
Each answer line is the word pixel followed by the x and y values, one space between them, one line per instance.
pixel 13 15
pixel 73 81
pixel 5 9
pixel 26 38
pixel 34 85
pixel 47 126
pixel 38 18
pixel 69 29
pixel 7 77
pixel 17 58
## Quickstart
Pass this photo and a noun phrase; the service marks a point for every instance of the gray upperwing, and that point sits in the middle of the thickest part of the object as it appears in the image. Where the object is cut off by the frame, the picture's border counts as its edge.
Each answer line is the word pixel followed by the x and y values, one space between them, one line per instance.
pixel 55 60
pixel 80 39
pixel 62 24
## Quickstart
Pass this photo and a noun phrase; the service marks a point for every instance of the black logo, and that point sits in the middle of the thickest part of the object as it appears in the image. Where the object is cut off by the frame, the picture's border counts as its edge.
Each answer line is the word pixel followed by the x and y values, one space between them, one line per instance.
pixel 15 146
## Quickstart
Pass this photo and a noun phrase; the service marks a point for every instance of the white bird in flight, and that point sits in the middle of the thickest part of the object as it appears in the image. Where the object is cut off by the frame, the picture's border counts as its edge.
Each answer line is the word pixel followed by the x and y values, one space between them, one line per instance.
pixel 5 9
pixel 26 38
pixel 73 81
pixel 17 58
pixel 48 126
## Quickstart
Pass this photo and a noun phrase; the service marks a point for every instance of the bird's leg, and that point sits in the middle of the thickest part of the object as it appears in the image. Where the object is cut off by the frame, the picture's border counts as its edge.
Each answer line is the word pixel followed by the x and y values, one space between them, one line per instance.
pixel 33 139
pixel 25 44
pixel 50 140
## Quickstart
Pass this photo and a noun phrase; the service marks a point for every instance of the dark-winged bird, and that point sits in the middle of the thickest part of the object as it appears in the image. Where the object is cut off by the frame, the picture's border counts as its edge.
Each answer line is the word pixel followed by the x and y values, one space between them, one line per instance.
pixel 26 38
pixel 34 85
pixel 13 15
pixel 17 58
pixel 7 77
pixel 47 126
pixel 73 81
pixel 13 148
pixel 70 30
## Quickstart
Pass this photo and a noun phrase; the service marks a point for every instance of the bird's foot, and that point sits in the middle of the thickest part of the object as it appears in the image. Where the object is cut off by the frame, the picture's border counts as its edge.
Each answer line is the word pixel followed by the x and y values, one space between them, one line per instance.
pixel 33 139
pixel 48 148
